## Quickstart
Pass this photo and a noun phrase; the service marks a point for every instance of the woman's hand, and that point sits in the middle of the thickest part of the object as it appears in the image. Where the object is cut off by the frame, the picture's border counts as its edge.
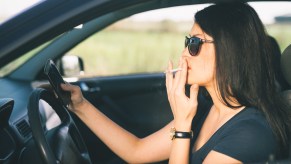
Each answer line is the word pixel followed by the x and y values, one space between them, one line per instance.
pixel 77 100
pixel 184 108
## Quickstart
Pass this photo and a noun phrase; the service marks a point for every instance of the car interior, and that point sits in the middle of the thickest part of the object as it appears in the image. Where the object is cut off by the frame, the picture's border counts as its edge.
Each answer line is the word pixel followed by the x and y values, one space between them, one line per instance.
pixel 36 128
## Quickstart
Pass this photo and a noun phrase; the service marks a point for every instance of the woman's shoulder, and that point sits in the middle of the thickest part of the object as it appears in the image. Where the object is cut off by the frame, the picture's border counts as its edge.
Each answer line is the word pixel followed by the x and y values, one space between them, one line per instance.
pixel 247 137
pixel 250 117
pixel 251 122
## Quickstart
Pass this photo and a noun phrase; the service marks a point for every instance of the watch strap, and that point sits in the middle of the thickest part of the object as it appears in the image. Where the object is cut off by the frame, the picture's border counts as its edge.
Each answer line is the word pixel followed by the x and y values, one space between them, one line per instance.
pixel 186 135
pixel 179 134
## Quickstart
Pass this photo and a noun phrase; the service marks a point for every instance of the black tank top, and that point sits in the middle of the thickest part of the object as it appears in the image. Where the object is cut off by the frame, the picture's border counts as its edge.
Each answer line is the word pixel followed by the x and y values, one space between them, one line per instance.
pixel 246 137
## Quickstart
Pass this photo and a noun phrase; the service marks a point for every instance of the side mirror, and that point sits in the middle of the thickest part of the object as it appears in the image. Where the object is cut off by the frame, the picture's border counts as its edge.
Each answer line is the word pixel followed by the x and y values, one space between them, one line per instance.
pixel 71 66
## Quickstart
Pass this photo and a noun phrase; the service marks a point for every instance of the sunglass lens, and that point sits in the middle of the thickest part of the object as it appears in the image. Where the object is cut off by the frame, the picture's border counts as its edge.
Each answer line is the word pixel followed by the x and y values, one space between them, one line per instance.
pixel 193 48
pixel 186 41
pixel 193 45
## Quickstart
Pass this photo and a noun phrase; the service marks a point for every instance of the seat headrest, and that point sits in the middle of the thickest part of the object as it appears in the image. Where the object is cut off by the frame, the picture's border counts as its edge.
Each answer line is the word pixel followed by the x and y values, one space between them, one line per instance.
pixel 286 64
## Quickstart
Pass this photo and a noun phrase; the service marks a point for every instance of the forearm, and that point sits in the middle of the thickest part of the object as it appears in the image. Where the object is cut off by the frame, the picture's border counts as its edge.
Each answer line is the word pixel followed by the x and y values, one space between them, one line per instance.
pixel 115 137
pixel 181 146
pixel 180 151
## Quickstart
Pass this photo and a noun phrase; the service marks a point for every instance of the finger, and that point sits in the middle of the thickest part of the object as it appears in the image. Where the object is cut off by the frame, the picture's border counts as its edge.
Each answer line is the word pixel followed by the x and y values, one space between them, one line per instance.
pixel 65 87
pixel 76 94
pixel 169 85
pixel 69 87
pixel 169 77
pixel 183 76
pixel 194 93
pixel 177 75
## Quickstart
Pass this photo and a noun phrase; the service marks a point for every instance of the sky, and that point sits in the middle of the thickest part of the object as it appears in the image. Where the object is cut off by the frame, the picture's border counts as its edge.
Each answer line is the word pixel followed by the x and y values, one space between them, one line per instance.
pixel 10 7
pixel 266 12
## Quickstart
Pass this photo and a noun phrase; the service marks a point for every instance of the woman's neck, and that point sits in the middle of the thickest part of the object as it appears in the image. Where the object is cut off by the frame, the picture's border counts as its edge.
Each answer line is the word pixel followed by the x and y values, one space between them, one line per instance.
pixel 218 103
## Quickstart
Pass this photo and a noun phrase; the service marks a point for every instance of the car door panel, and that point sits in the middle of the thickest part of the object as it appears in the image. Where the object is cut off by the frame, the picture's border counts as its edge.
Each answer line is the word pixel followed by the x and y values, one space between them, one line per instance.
pixel 138 103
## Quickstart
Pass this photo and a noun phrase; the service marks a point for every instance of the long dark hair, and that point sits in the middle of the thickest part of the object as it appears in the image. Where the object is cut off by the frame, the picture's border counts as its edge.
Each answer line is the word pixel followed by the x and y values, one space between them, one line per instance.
pixel 244 68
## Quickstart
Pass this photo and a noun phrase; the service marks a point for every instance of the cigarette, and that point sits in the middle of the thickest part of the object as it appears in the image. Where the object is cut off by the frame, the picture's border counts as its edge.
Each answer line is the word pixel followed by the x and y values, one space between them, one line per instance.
pixel 174 70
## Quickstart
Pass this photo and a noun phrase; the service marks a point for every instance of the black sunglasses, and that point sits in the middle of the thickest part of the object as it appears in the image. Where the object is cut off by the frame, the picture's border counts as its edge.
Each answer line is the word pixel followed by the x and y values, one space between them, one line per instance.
pixel 194 43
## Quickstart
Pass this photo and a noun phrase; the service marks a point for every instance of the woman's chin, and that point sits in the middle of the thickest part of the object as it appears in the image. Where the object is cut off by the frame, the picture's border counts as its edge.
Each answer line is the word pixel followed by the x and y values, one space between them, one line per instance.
pixel 190 82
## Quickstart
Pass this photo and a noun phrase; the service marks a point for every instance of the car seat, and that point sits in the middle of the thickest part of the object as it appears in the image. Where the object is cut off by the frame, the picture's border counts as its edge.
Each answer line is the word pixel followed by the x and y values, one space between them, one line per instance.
pixel 281 83
pixel 286 65
pixel 286 94
pixel 286 70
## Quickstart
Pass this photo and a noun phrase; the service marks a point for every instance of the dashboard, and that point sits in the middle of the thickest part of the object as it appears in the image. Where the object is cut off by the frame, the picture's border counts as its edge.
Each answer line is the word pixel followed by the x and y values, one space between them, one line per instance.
pixel 15 133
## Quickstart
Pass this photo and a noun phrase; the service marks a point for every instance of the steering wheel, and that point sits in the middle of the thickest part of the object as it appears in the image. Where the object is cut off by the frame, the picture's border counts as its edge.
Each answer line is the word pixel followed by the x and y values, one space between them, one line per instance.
pixel 62 144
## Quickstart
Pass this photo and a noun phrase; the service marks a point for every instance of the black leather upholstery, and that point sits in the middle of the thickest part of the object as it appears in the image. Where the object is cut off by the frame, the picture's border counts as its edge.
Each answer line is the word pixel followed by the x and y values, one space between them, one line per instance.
pixel 286 70
pixel 285 64
pixel 286 94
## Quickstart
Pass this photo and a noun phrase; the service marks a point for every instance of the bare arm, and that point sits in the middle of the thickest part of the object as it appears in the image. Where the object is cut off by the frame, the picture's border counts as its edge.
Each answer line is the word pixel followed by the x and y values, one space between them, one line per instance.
pixel 216 157
pixel 184 109
pixel 155 147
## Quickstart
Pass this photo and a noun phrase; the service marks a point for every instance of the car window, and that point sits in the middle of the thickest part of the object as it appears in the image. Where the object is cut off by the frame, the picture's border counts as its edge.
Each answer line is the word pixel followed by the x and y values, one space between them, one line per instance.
pixel 145 42
pixel 22 59
pixel 19 61
pixel 277 18
pixel 113 52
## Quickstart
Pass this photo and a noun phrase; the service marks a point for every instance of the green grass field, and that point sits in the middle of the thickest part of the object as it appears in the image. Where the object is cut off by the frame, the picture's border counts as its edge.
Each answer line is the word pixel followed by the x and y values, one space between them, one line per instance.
pixel 121 51
pixel 114 52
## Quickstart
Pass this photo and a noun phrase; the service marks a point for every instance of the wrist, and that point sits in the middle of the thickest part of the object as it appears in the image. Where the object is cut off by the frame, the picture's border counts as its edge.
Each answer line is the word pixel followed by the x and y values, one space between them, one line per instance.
pixel 81 107
pixel 183 125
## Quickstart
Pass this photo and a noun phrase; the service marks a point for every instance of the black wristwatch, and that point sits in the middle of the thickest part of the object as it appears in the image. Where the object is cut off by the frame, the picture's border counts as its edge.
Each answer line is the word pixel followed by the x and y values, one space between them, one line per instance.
pixel 178 134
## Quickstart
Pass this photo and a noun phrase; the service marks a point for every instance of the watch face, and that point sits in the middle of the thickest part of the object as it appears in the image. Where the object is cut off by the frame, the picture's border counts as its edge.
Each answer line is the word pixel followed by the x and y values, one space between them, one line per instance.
pixel 172 133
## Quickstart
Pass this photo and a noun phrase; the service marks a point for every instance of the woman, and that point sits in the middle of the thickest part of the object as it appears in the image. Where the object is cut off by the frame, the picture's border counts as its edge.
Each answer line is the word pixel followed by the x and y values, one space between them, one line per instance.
pixel 227 53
